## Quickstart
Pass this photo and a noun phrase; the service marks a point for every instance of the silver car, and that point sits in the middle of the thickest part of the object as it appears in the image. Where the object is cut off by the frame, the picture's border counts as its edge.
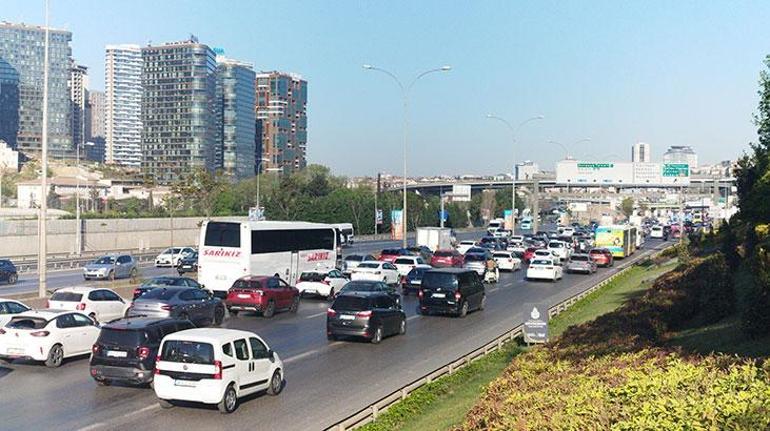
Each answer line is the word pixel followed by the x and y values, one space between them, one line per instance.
pixel 581 263
pixel 476 262
pixel 111 267
pixel 185 303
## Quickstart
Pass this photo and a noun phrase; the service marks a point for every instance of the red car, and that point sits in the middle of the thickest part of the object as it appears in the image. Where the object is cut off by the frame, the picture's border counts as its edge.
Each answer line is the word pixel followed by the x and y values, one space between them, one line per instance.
pixel 602 257
pixel 449 257
pixel 529 253
pixel 391 254
pixel 262 294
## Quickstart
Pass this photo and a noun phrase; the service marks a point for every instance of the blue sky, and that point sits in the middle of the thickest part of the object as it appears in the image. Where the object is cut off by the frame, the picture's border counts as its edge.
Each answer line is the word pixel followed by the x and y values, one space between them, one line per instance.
pixel 666 73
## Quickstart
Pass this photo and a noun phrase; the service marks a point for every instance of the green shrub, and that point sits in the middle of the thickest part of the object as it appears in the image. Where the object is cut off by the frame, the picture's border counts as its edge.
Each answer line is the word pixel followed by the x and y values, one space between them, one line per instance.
pixel 753 284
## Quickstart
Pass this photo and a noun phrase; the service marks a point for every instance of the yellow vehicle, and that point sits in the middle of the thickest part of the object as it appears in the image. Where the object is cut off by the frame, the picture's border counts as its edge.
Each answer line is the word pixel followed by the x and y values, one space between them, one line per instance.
pixel 620 240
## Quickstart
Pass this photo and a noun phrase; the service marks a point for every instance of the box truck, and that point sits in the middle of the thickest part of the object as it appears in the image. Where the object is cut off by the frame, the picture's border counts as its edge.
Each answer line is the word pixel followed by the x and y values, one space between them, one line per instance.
pixel 435 238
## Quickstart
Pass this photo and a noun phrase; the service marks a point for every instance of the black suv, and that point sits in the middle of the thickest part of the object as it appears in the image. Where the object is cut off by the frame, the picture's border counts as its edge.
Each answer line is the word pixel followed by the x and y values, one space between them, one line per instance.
pixel 188 263
pixel 371 286
pixel 371 315
pixel 451 291
pixel 8 272
pixel 126 349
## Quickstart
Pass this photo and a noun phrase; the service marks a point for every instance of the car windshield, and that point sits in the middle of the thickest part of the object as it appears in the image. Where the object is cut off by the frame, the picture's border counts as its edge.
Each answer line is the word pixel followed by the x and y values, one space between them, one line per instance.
pixel 174 250
pixel 357 286
pixel 66 297
pixel 439 280
pixel 188 352
pixel 122 337
pixel 247 284
pixel 166 281
pixel 416 273
pixel 579 258
pixel 354 258
pixel 474 258
pixel 503 255
pixel 312 276
pixel 106 260
pixel 160 293
pixel 350 303
pixel 467 243
pixel 443 253
pixel 391 252
pixel 555 245
pixel 24 322
pixel 369 265
pixel 541 262
pixel 404 261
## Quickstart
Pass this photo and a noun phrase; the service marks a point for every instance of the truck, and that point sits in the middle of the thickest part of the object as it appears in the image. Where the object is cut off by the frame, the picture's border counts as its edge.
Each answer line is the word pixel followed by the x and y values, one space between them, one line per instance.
pixel 435 238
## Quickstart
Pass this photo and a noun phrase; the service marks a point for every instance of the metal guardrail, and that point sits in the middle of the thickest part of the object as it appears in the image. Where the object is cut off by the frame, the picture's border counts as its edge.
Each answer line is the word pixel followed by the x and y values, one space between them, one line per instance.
pixel 372 411
pixel 73 262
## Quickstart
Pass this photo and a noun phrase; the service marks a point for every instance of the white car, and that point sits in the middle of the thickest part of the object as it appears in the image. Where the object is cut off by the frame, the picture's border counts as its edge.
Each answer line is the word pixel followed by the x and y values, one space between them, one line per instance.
pixel 215 366
pixel 567 232
pixel 559 249
pixel 517 247
pixel 48 335
pixel 516 238
pixel 102 305
pixel 506 261
pixel 321 282
pixel 656 232
pixel 525 225
pixel 375 270
pixel 542 252
pixel 464 246
pixel 544 269
pixel 405 264
pixel 10 307
pixel 171 256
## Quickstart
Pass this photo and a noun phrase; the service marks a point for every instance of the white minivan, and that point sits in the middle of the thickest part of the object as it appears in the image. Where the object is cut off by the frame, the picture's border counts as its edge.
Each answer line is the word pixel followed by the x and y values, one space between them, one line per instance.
pixel 215 366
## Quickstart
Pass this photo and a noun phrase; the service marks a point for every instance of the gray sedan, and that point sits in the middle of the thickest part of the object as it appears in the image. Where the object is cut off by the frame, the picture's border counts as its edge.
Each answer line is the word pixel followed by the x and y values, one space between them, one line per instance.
pixel 196 305
pixel 111 267
pixel 581 263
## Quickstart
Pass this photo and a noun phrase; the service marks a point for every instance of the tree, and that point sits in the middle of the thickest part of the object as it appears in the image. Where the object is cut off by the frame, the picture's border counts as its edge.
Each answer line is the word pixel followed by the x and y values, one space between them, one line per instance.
pixel 627 207
pixel 200 189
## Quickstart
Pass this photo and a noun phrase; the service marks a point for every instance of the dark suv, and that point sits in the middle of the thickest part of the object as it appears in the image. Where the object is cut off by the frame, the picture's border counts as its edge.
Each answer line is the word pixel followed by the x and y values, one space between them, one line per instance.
pixel 451 291
pixel 8 272
pixel 371 315
pixel 126 349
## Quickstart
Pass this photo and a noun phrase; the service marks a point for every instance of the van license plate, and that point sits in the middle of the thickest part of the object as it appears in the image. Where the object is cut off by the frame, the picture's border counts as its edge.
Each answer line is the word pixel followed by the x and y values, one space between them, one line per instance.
pixel 439 295
pixel 244 295
pixel 347 317
pixel 116 354
pixel 185 383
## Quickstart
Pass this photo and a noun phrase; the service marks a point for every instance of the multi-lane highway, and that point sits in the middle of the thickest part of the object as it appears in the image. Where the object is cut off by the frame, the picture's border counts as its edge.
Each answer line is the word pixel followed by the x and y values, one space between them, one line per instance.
pixel 325 381
pixel 57 279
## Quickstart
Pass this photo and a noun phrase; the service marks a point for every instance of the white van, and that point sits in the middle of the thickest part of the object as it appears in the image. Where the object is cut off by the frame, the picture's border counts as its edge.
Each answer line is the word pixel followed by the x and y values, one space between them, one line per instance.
pixel 215 366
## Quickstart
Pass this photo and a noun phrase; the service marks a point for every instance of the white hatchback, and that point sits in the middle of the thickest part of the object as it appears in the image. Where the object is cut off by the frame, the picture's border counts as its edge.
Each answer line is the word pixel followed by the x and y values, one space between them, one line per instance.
pixel 320 282
pixel 9 308
pixel 376 270
pixel 544 269
pixel 506 261
pixel 404 264
pixel 171 256
pixel 47 335
pixel 560 249
pixel 102 305
pixel 464 246
pixel 215 366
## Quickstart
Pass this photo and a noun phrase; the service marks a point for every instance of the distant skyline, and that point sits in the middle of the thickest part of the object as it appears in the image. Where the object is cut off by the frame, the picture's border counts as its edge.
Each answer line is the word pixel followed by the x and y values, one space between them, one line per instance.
pixel 663 73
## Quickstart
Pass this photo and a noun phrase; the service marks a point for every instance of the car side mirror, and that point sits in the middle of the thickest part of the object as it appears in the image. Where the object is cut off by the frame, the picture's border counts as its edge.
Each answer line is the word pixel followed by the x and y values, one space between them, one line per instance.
pixel 271 354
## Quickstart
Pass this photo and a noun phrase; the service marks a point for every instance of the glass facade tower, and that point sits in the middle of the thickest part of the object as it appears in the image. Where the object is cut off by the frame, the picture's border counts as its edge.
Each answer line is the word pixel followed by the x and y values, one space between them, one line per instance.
pixel 236 118
pixel 9 103
pixel 123 105
pixel 282 112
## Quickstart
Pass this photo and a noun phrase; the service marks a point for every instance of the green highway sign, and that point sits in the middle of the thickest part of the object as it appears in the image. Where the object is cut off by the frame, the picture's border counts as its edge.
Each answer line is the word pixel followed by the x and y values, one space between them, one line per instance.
pixel 676 170
pixel 595 165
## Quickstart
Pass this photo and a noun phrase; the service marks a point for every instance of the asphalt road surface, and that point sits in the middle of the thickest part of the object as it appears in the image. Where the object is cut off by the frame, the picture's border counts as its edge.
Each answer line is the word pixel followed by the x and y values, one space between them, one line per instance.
pixel 325 381
pixel 57 279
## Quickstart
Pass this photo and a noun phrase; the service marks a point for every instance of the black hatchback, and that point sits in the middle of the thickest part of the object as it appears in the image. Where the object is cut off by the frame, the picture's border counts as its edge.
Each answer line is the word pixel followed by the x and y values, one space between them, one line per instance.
pixel 126 349
pixel 451 291
pixel 370 315
pixel 8 272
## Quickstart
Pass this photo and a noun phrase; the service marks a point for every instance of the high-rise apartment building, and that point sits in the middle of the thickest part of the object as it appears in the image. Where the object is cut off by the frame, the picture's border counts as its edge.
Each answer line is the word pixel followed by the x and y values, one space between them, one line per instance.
pixel 681 154
pixel 123 105
pixel 178 113
pixel 23 47
pixel 640 153
pixel 78 88
pixel 236 149
pixel 282 116
pixel 9 103
pixel 95 115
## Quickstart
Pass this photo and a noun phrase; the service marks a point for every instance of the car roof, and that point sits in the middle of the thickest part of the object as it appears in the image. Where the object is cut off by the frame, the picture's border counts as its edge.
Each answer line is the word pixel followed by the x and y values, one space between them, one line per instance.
pixel 80 289
pixel 255 277
pixel 44 313
pixel 11 300
pixel 209 335
pixel 379 262
pixel 136 322
pixel 452 270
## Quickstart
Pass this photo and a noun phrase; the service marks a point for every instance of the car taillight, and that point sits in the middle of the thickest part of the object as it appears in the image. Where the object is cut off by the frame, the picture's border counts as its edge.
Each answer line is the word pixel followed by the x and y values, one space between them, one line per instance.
pixel 258 292
pixel 143 352
pixel 40 334
pixel 420 294
pixel 157 361
pixel 95 349
pixel 367 313
pixel 217 370
pixel 81 306
pixel 330 312
pixel 137 292
pixel 47 304
pixel 458 296
pixel 167 307
pixel 2 331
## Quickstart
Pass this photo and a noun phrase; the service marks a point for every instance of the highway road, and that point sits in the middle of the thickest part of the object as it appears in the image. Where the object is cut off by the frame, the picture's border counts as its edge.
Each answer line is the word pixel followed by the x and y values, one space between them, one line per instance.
pixel 57 279
pixel 325 381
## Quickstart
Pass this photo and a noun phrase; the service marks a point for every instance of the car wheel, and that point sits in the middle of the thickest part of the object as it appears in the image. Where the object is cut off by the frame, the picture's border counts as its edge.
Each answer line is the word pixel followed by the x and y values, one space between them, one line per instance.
pixel 165 404
pixel 93 317
pixel 219 315
pixel 232 312
pixel 377 337
pixel 13 278
pixel 86 278
pixel 103 382
pixel 55 356
pixel 229 401
pixel 463 309
pixel 402 328
pixel 483 303
pixel 331 337
pixel 184 316
pixel 294 305
pixel 276 384
pixel 111 276
pixel 133 274
pixel 269 310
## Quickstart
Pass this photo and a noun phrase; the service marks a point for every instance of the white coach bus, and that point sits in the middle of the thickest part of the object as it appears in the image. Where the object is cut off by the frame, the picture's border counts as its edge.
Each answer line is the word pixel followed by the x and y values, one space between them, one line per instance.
pixel 230 250
pixel 346 233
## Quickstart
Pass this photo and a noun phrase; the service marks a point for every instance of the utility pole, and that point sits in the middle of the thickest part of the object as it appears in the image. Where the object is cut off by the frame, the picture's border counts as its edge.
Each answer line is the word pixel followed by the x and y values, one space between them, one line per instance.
pixel 376 193
pixel 441 215
pixel 42 249
pixel 535 204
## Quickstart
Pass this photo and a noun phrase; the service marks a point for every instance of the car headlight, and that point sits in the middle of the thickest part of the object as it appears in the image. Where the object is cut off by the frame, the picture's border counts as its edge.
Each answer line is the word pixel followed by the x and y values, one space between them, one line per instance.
pixel 102 270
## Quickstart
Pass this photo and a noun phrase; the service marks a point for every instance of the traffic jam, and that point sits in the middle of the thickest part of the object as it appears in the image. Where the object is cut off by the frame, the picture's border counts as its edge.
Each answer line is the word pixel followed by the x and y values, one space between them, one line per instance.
pixel 171 334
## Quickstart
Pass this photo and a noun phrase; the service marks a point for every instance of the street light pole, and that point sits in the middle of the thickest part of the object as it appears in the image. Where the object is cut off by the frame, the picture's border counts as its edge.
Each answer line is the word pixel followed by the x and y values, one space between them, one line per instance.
pixel 405 102
pixel 42 249
pixel 78 227
pixel 514 134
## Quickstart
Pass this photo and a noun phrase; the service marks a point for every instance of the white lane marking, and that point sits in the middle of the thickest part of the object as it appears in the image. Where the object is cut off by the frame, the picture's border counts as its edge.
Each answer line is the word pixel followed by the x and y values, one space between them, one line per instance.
pixel 300 356
pixel 492 289
pixel 412 317
pixel 313 316
pixel 134 413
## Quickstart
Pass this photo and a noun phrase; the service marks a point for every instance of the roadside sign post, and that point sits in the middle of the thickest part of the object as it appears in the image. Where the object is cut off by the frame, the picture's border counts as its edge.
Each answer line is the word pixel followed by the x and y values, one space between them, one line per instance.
pixel 535 323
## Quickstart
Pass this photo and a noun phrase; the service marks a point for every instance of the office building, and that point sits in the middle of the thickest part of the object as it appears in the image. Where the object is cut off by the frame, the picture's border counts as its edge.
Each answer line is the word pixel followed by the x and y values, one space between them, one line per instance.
pixel 123 105
pixel 527 170
pixel 9 158
pixel 9 103
pixel 282 114
pixel 95 115
pixel 95 149
pixel 23 47
pixel 681 154
pixel 178 112
pixel 236 118
pixel 78 88
pixel 640 153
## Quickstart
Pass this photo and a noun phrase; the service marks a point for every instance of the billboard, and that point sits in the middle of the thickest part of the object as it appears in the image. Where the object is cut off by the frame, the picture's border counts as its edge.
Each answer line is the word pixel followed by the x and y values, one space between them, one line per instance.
pixel 397 224
pixel 461 192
